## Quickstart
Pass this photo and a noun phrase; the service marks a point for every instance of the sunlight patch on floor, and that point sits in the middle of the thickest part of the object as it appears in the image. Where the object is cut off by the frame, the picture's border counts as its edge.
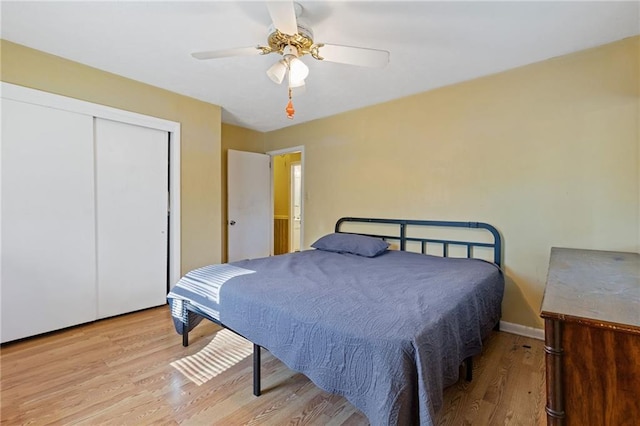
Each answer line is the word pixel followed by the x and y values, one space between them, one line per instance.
pixel 225 350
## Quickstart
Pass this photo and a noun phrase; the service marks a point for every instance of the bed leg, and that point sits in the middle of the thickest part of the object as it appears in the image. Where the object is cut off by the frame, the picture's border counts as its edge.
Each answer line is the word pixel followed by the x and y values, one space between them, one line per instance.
pixel 185 325
pixel 185 335
pixel 256 369
pixel 468 364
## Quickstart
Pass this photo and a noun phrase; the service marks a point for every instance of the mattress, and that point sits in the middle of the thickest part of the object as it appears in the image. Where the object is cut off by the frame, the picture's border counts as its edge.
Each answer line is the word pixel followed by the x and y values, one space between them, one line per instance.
pixel 388 333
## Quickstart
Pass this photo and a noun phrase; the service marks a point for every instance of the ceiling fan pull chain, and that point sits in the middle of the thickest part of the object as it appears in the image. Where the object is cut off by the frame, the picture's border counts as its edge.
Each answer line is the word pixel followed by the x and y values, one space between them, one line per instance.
pixel 289 109
pixel 291 36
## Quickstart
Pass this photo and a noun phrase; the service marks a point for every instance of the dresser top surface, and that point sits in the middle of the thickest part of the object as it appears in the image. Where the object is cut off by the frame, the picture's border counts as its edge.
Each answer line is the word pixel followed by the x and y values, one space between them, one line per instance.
pixel 600 287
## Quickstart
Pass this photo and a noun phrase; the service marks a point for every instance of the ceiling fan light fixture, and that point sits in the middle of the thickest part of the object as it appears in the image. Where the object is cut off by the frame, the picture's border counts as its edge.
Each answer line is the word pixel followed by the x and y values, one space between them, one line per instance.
pixel 291 36
pixel 293 83
pixel 277 71
pixel 289 52
pixel 298 70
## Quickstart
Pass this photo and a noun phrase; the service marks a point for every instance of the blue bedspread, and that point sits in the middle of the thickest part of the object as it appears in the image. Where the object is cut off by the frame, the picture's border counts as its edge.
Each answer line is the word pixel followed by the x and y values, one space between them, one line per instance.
pixel 389 333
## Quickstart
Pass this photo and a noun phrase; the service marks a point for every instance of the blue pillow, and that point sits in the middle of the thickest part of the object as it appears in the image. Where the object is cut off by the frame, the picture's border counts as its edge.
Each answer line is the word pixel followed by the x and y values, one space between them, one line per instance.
pixel 351 243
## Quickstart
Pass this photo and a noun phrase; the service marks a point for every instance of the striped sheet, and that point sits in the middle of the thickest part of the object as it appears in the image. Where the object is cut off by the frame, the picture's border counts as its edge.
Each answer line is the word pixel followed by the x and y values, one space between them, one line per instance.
pixel 201 288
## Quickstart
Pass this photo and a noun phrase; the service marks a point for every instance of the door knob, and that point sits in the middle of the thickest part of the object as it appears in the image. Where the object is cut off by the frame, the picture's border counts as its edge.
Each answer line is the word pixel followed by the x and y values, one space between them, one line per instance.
pixel 233 222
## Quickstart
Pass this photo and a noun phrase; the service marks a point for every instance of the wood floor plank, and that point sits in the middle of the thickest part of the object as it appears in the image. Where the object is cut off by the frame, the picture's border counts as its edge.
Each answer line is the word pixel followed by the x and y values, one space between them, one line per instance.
pixel 117 371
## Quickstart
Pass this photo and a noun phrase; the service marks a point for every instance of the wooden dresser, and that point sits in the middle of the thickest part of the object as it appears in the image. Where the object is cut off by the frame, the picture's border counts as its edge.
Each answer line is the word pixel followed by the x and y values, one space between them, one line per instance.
pixel 591 309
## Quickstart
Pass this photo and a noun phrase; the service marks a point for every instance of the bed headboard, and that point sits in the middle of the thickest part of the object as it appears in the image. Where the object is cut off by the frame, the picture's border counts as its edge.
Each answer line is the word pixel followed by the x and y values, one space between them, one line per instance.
pixel 400 234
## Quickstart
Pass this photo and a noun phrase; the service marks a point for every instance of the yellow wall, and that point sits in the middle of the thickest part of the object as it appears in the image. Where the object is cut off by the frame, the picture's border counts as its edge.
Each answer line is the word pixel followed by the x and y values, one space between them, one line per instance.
pixel 548 153
pixel 200 134
pixel 281 186
pixel 240 139
pixel 282 182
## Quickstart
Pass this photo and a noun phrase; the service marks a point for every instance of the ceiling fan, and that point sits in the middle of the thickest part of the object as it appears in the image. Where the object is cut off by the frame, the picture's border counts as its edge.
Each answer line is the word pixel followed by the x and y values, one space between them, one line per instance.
pixel 291 37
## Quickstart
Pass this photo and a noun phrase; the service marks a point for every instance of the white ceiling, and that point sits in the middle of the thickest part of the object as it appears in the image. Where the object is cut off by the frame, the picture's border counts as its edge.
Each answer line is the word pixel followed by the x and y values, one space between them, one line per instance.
pixel 432 44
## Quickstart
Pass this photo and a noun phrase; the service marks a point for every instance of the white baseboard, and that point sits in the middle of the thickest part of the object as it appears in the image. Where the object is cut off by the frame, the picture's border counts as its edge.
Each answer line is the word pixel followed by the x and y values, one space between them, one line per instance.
pixel 522 330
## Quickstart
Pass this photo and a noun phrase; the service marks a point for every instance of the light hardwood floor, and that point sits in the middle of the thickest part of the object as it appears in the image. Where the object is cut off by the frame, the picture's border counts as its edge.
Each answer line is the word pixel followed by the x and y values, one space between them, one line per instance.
pixel 116 371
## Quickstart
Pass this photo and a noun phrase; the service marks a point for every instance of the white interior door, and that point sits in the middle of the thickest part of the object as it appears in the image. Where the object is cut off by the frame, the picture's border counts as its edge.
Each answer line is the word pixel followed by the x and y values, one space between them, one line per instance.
pixel 48 234
pixel 131 201
pixel 249 205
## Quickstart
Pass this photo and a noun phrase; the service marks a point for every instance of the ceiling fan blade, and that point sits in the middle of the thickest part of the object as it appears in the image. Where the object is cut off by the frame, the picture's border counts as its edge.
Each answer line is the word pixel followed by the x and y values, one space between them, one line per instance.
pixel 353 55
pixel 225 53
pixel 283 15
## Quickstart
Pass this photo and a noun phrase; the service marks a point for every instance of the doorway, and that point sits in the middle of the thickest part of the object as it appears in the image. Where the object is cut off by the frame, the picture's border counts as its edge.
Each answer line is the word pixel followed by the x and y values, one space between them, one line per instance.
pixel 288 201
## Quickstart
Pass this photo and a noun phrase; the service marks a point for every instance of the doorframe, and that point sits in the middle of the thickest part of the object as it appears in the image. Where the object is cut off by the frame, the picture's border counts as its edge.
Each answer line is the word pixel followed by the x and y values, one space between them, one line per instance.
pixel 42 98
pixel 293 149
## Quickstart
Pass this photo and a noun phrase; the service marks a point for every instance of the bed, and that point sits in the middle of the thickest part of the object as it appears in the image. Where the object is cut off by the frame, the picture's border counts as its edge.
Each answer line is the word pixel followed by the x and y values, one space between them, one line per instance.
pixel 386 328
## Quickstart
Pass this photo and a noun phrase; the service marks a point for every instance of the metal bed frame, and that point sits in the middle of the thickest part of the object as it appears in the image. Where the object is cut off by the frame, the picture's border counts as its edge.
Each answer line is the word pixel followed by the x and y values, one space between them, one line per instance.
pixel 401 235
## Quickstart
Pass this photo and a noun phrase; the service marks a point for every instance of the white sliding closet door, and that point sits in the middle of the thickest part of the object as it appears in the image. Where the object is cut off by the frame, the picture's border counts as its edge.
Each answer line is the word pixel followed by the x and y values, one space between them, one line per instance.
pixel 131 202
pixel 48 220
